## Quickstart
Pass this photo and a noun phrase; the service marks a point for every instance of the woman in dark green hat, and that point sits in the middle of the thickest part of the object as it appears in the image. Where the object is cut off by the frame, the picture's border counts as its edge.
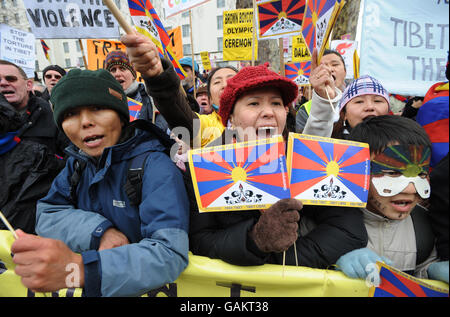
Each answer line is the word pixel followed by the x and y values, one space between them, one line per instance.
pixel 118 249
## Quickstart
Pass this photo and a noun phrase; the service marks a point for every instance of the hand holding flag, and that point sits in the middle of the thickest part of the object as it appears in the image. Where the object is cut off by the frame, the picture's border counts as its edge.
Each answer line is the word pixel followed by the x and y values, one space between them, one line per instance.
pixel 143 54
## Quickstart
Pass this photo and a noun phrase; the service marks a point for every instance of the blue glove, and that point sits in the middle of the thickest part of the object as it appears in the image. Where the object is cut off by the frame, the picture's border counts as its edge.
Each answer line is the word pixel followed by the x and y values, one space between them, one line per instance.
pixel 354 264
pixel 438 271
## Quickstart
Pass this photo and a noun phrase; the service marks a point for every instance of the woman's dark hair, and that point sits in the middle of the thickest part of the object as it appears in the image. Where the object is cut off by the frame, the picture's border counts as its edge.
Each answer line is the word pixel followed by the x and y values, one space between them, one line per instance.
pixel 381 131
pixel 211 74
pixel 328 51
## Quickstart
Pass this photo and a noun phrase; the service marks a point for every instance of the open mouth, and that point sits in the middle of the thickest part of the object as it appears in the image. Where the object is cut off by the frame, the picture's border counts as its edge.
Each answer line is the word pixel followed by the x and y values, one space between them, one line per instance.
pixel 7 92
pixel 402 205
pixel 92 140
pixel 266 132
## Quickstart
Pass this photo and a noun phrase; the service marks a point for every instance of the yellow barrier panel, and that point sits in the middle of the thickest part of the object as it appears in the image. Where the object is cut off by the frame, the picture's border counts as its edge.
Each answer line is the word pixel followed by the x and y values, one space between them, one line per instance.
pixel 206 277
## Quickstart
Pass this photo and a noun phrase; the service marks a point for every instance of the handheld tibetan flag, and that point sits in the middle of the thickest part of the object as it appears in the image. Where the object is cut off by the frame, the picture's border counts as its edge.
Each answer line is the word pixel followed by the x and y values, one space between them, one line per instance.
pixel 394 283
pixel 240 176
pixel 326 171
pixel 279 18
pixel 152 27
pixel 318 21
pixel 46 49
pixel 298 72
pixel 134 107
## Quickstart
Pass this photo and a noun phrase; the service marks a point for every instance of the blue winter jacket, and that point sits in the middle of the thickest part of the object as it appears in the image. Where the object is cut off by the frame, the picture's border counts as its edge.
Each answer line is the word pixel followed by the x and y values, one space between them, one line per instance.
pixel 157 230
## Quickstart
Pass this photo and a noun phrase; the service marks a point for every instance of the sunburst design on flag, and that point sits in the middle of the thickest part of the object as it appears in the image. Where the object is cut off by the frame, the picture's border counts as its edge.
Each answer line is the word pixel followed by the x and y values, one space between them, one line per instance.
pixel 254 168
pixel 315 9
pixel 280 17
pixel 298 72
pixel 328 170
pixel 394 283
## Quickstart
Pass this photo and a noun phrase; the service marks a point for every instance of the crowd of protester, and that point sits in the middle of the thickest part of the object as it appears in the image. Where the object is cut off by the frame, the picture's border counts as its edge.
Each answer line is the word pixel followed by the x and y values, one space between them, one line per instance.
pixel 66 153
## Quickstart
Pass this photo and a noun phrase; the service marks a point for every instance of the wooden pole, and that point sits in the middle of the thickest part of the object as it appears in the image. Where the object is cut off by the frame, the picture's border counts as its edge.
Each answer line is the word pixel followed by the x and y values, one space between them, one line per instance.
pixel 119 17
pixel 192 52
pixel 82 52
pixel 281 47
pixel 254 33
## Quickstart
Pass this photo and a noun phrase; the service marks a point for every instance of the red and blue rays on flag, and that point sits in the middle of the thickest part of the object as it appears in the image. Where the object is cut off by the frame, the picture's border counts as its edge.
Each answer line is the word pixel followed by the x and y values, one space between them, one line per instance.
pixel 46 49
pixel 259 167
pixel 145 8
pixel 271 12
pixel 398 284
pixel 315 9
pixel 433 117
pixel 298 72
pixel 331 163
pixel 134 107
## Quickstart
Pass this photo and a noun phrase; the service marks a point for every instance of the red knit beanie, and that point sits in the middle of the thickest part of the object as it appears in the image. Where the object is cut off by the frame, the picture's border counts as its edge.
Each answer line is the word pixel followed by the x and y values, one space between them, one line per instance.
pixel 252 77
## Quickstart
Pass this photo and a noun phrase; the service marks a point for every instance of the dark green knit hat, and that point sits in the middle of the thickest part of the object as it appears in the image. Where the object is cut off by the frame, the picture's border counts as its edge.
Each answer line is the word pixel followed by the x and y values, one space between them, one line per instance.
pixel 85 88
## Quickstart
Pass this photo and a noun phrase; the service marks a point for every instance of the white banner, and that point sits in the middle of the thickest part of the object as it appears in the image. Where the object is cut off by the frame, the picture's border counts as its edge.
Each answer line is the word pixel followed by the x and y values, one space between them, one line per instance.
pixel 173 7
pixel 17 46
pixel 71 19
pixel 347 49
pixel 404 44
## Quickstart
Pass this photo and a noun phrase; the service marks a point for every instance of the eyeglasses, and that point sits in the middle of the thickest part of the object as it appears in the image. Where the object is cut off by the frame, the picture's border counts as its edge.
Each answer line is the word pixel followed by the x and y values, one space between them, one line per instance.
pixel 10 78
pixel 49 76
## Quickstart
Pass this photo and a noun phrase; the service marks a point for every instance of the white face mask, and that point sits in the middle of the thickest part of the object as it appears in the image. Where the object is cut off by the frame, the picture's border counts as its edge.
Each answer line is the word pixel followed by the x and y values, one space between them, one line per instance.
pixel 388 186
pixel 410 161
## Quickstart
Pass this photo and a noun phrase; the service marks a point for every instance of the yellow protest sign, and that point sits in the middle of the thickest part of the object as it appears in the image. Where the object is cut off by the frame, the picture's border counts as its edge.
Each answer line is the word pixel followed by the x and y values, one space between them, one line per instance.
pixel 300 51
pixel 176 42
pixel 205 277
pixel 205 60
pixel 97 51
pixel 238 35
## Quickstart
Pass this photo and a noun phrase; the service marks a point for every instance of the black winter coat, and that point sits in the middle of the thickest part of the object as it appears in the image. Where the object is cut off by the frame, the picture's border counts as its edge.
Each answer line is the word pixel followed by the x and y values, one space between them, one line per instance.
pixel 39 126
pixel 26 173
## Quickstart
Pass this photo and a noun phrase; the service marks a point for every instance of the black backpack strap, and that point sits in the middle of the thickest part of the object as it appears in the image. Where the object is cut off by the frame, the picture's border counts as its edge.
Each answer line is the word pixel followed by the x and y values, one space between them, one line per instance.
pixel 424 234
pixel 161 135
pixel 133 185
pixel 78 168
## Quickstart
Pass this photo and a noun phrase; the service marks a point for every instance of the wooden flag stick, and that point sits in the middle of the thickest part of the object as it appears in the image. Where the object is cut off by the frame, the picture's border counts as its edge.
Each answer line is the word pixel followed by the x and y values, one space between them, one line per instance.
pixel 8 225
pixel 284 262
pixel 119 17
pixel 295 252
pixel 192 53
pixel 329 100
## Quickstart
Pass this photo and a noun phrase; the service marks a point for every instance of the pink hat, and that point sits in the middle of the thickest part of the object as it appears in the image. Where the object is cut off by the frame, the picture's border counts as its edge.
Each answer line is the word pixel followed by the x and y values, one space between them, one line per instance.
pixel 252 77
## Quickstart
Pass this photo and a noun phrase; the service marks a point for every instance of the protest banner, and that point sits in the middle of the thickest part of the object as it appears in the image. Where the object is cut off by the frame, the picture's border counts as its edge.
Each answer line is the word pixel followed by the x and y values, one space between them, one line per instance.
pixel 70 20
pixel 239 176
pixel 347 50
pixel 279 18
pixel 326 171
pixel 98 49
pixel 205 277
pixel 238 36
pixel 205 60
pixel 300 52
pixel 176 42
pixel 298 72
pixel 18 47
pixel 405 51
pixel 172 7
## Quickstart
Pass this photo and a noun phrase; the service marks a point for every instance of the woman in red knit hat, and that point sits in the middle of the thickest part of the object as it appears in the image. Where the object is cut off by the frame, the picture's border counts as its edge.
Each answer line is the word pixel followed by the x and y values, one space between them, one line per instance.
pixel 254 104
